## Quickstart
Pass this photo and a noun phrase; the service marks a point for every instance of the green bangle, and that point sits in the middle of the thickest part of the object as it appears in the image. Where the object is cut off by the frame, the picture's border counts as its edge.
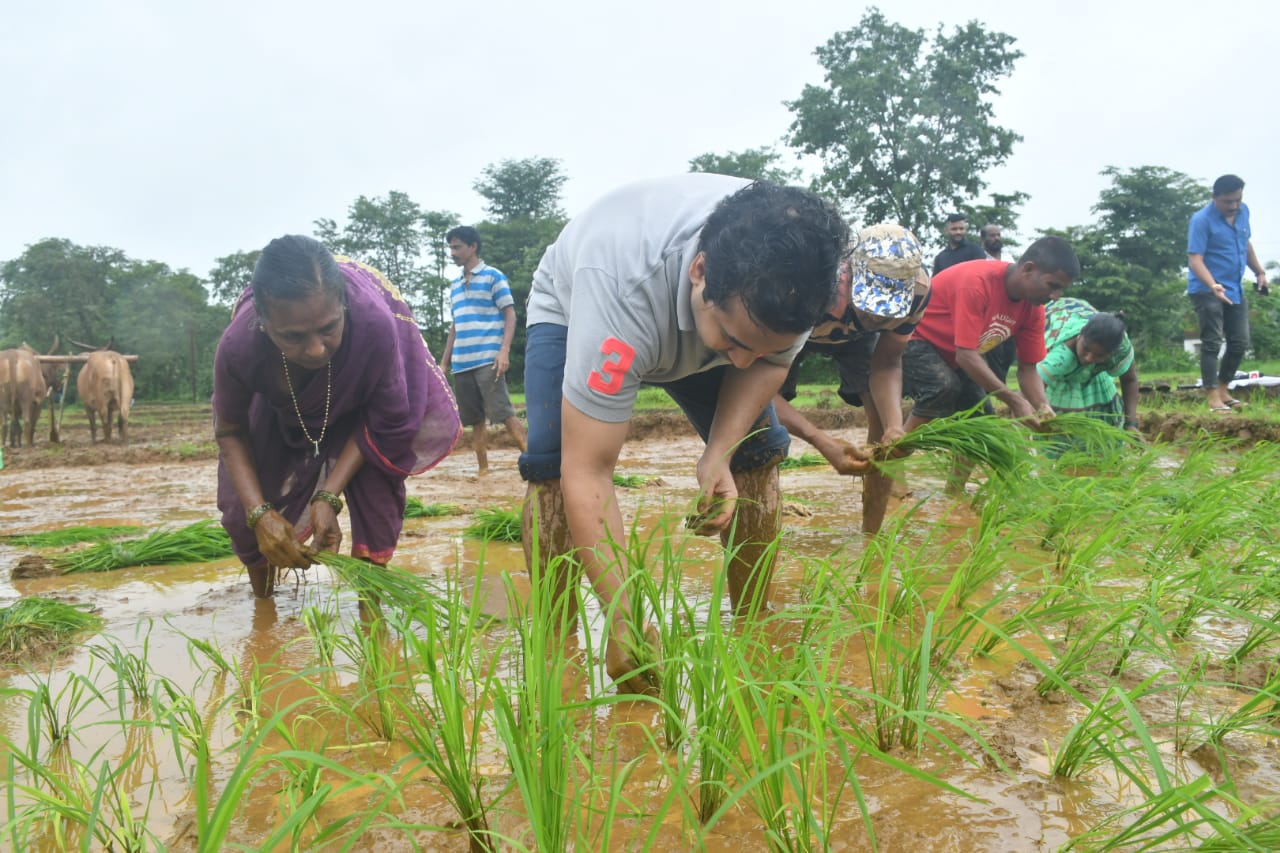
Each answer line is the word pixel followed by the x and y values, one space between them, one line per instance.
pixel 328 497
pixel 255 515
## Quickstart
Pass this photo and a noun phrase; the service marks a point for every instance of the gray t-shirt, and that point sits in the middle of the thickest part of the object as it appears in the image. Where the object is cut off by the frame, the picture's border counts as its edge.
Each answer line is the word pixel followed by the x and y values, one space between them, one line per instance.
pixel 618 278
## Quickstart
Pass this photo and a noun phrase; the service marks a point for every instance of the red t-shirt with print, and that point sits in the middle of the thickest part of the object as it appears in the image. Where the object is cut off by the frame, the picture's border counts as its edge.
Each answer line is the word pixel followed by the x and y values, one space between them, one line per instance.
pixel 970 309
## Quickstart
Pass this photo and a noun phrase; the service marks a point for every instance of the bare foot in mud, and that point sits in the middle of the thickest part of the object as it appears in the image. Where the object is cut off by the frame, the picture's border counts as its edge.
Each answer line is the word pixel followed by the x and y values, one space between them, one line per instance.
pixel 621 663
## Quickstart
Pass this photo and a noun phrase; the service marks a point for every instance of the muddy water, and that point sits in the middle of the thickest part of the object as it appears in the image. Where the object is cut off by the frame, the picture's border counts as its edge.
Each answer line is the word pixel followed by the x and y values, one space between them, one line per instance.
pixel 1020 808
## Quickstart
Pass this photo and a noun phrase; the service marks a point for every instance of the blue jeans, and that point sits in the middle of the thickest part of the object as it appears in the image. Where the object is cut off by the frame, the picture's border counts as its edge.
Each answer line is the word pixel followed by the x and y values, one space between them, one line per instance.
pixel 544 354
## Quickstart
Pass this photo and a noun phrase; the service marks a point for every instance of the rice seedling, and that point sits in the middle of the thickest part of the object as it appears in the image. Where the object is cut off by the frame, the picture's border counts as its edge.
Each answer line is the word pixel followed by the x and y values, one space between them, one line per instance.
pixel 1097 737
pixel 321 625
pixel 59 711
pixel 31 625
pixel 495 525
pixel 201 542
pixel 533 723
pixel 445 724
pixel 133 672
pixel 996 443
pixel 418 508
pixel 1256 714
pixel 70 536
pixel 376 585
pixel 630 481
pixel 808 459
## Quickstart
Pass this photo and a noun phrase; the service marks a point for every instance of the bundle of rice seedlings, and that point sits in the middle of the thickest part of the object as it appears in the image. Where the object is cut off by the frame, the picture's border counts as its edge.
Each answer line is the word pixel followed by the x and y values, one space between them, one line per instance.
pixel 31 623
pixel 1088 432
pixel 495 525
pixel 630 481
pixel 387 585
pixel 196 543
pixel 70 536
pixel 804 460
pixel 417 508
pixel 997 443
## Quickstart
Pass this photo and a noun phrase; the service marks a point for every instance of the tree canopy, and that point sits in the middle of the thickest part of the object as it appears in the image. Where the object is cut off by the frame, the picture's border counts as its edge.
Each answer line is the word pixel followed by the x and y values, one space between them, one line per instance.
pixel 528 188
pixel 904 126
pixel 757 164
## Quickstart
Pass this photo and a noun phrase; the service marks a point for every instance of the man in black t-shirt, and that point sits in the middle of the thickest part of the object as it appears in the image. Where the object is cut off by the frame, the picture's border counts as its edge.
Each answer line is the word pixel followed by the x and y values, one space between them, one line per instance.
pixel 958 248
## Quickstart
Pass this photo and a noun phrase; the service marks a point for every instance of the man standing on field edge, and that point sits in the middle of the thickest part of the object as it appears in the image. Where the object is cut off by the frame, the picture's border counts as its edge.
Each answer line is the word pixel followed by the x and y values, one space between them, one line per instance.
pixel 1218 250
pixel 479 346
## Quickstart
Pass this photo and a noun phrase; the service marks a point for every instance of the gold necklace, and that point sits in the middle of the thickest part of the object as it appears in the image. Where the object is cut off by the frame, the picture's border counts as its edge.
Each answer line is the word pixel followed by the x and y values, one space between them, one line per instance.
pixel 328 395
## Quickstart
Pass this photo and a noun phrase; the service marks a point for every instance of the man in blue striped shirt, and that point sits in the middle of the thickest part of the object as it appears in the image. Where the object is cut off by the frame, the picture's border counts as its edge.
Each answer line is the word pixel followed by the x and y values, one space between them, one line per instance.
pixel 479 347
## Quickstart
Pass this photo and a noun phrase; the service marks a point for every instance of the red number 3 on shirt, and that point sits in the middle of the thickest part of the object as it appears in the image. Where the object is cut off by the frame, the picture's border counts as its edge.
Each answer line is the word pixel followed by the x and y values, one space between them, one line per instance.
pixel 618 357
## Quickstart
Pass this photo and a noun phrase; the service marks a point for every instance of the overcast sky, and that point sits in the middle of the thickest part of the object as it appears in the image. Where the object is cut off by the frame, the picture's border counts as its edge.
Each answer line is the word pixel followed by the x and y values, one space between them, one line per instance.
pixel 183 131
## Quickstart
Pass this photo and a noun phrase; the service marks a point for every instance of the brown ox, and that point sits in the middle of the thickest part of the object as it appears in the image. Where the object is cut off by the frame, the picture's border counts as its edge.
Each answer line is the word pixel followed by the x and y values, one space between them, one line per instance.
pixel 24 384
pixel 106 388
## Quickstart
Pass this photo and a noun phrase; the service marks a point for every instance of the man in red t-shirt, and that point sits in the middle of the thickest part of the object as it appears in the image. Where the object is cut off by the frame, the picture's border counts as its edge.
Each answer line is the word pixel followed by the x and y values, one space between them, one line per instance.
pixel 976 306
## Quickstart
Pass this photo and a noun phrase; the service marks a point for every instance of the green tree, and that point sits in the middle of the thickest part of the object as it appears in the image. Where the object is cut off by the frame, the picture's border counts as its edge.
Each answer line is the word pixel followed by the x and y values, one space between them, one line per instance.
pixel 1002 210
pixel 230 275
pixel 1134 258
pixel 516 246
pixel 528 188
pixel 435 310
pixel 757 164
pixel 904 126
pixel 390 234
pixel 58 287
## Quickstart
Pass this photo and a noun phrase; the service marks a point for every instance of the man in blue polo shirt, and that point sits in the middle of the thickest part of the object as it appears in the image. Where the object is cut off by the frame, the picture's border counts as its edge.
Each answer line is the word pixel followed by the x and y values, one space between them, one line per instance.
pixel 479 345
pixel 1218 250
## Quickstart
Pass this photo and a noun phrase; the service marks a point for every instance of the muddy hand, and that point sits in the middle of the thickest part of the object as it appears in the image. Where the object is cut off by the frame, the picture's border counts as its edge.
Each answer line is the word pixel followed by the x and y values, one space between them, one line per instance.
pixel 327 535
pixel 634 670
pixel 279 544
pixel 854 460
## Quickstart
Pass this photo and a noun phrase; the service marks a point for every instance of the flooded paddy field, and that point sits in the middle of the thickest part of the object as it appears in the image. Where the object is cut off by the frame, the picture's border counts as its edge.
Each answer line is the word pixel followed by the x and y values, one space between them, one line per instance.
pixel 1082 656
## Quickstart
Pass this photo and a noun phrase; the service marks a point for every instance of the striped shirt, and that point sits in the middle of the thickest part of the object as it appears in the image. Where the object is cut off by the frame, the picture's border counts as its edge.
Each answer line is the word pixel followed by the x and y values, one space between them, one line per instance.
pixel 477 316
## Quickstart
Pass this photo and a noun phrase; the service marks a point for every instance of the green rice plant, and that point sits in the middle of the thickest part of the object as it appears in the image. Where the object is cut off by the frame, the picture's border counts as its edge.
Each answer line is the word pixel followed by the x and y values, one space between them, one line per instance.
pixel 1090 741
pixel 1263 630
pixel 807 459
pixel 630 481
pixel 1257 714
pixel 1082 651
pixel 59 711
pixel 70 536
pixel 534 724
pixel 133 672
pixel 417 508
pixel 445 724
pixel 377 585
pixel 495 525
pixel 996 443
pixel 79 808
pixel 378 676
pixel 320 624
pixel 201 542
pixel 30 625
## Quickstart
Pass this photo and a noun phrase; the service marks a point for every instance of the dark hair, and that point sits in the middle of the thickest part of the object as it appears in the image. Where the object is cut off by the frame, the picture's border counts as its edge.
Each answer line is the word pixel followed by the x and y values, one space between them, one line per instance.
pixel 1106 330
pixel 1052 254
pixel 466 234
pixel 294 267
pixel 1227 184
pixel 956 217
pixel 776 248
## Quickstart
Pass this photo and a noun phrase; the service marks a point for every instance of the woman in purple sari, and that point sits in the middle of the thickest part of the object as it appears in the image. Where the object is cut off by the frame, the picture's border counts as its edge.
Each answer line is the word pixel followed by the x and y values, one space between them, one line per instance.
pixel 322 387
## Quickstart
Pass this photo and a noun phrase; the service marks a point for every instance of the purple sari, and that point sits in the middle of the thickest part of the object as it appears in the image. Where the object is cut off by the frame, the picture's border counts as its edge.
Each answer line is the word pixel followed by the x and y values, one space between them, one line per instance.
pixel 386 391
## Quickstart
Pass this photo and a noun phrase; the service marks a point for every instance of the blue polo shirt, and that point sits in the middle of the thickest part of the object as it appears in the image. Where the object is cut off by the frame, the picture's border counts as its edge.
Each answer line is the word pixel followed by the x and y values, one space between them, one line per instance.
pixel 1225 247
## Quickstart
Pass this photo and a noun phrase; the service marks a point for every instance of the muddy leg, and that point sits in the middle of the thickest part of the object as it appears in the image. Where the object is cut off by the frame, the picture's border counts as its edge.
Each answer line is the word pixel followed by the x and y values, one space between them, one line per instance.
pixel 106 423
pixel 517 432
pixel 263 580
pixel 750 540
pixel 93 425
pixel 480 439
pixel 544 505
pixel 961 468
